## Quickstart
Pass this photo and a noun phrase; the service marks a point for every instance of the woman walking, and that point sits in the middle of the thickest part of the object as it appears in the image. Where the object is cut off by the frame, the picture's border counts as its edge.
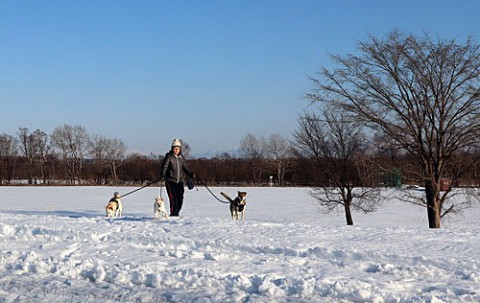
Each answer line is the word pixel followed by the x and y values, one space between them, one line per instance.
pixel 174 169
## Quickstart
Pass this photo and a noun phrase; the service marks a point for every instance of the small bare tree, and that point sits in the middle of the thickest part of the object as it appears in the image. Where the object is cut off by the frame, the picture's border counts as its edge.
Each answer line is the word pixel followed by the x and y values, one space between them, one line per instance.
pixel 339 150
pixel 116 150
pixel 72 142
pixel 97 149
pixel 40 152
pixel 107 153
pixel 423 94
pixel 8 156
pixel 278 155
pixel 252 148
pixel 26 147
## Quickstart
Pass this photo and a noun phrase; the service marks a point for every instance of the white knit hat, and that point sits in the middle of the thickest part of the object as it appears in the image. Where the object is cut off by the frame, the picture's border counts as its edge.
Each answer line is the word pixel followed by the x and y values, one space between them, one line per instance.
pixel 176 143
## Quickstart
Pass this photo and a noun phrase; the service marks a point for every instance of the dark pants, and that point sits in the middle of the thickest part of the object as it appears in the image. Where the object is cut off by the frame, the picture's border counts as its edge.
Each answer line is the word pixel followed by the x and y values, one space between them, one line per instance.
pixel 175 195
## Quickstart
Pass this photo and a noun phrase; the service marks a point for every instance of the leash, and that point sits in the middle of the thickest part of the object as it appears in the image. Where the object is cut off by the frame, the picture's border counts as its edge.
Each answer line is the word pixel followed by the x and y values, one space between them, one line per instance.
pixel 160 190
pixel 148 184
pixel 203 183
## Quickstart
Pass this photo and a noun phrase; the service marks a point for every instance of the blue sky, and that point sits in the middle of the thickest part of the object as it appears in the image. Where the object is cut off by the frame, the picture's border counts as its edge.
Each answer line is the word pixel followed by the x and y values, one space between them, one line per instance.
pixel 208 72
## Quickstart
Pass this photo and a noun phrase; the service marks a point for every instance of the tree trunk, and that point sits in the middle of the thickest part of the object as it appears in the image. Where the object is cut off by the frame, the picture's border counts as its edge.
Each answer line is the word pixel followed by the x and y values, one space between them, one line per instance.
pixel 433 216
pixel 433 205
pixel 348 214
pixel 114 172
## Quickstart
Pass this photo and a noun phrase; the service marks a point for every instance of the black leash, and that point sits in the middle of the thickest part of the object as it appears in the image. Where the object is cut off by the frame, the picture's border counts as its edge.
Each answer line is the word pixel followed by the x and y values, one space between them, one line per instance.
pixel 148 184
pixel 203 183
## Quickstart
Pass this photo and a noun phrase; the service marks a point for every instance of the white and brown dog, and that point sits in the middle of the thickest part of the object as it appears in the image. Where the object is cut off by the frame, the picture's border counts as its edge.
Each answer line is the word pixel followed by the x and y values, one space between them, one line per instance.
pixel 159 208
pixel 237 205
pixel 114 207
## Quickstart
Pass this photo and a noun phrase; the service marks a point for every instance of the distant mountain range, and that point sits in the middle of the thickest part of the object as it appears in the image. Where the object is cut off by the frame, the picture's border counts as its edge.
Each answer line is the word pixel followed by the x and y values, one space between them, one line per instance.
pixel 233 152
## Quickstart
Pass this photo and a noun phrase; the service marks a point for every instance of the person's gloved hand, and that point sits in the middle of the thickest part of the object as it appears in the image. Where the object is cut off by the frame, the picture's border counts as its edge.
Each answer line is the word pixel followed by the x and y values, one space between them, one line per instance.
pixel 190 184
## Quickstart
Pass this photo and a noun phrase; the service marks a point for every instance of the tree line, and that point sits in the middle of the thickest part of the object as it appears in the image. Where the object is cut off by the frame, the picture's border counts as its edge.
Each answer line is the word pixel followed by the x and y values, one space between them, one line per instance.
pixel 71 155
pixel 321 154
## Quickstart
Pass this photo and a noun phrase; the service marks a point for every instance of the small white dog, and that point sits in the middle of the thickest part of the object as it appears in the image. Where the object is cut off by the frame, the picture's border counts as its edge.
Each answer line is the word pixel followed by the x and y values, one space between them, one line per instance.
pixel 159 208
pixel 114 207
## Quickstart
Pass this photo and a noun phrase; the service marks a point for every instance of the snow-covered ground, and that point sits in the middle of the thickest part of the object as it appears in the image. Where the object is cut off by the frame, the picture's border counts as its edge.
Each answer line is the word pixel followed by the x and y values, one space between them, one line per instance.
pixel 56 246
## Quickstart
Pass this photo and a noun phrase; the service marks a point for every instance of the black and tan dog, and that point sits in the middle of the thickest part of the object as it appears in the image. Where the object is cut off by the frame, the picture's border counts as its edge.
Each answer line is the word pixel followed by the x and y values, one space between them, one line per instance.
pixel 237 205
pixel 114 207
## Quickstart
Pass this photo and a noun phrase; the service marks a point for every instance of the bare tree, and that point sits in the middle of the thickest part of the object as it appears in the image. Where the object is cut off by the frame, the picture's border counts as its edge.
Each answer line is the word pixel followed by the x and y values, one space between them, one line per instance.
pixel 116 150
pixel 35 149
pixel 424 94
pixel 339 151
pixel 26 147
pixel 72 142
pixel 278 155
pixel 97 149
pixel 252 148
pixel 8 157
pixel 41 152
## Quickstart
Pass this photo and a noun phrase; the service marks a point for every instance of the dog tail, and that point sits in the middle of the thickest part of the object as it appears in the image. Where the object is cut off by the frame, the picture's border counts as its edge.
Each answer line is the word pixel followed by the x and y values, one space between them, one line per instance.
pixel 226 196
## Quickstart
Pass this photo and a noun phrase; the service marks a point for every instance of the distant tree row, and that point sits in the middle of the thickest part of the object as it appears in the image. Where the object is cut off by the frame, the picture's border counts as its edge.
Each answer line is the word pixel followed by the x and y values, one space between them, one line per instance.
pixel 325 152
pixel 68 155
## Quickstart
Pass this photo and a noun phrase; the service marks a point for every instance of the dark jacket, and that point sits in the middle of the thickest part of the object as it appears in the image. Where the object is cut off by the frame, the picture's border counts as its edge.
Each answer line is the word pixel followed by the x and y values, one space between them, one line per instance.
pixel 174 168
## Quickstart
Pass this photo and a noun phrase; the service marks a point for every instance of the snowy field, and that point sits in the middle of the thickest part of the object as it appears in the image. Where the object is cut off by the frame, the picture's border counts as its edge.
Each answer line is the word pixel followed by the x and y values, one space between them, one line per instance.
pixel 56 246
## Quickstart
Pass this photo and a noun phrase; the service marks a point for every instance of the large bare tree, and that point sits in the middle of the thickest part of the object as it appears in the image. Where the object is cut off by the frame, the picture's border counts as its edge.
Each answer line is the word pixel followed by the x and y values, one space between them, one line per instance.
pixel 338 149
pixel 422 93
